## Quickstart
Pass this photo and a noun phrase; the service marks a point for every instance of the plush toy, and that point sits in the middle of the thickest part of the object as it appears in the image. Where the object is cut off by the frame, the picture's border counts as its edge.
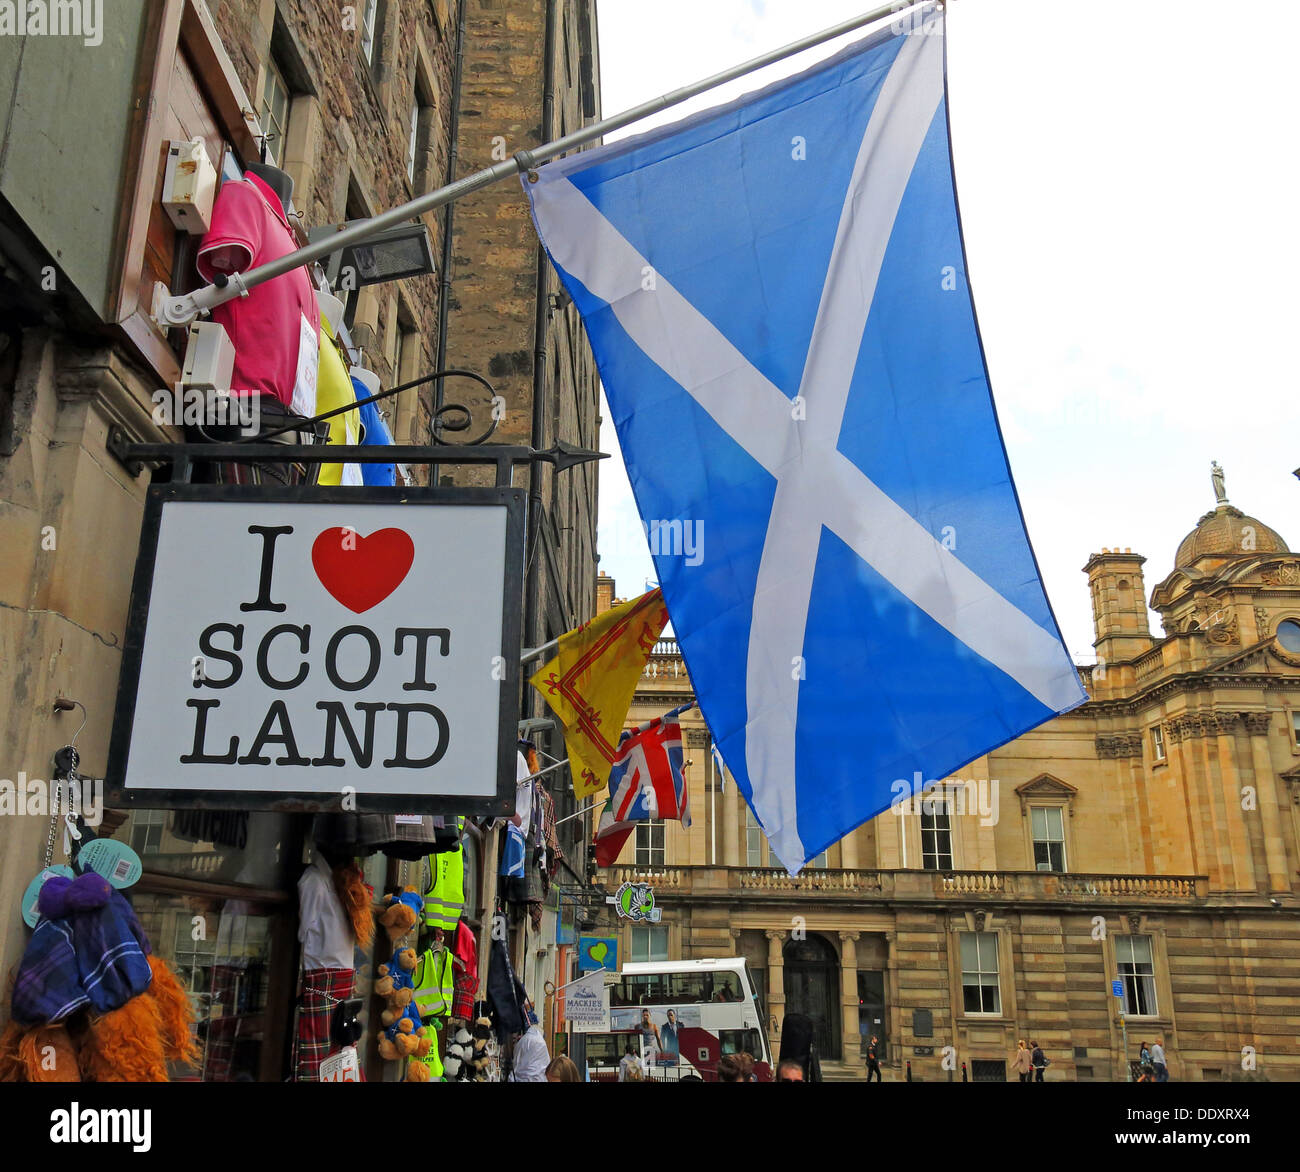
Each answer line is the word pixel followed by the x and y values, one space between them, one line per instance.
pixel 395 984
pixel 460 1048
pixel 401 913
pixel 425 1064
pixel 480 1056
pixel 89 1002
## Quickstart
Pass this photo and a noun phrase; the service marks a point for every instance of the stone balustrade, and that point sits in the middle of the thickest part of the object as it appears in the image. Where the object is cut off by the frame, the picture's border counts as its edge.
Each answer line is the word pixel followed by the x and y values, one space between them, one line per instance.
pixel 912 884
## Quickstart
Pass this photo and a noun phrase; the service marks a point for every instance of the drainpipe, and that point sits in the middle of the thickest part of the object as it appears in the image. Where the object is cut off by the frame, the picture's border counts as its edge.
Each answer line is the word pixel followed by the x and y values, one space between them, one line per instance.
pixel 533 602
pixel 448 219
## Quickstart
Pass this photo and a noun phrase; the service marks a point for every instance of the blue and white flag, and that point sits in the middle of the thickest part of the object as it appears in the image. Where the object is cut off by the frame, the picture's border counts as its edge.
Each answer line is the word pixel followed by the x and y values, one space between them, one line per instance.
pixel 776 294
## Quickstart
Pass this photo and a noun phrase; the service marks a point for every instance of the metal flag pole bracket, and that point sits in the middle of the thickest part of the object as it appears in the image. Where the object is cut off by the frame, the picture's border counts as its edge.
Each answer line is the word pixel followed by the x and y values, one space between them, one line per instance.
pixel 179 310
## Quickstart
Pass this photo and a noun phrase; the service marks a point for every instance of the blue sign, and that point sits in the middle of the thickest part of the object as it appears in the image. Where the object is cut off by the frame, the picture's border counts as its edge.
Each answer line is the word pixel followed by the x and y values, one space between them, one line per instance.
pixel 597 952
pixel 1117 987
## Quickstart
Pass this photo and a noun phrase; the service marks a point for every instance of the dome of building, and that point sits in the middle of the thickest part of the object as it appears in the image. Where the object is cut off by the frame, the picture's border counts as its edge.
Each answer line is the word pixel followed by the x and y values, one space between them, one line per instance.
pixel 1227 532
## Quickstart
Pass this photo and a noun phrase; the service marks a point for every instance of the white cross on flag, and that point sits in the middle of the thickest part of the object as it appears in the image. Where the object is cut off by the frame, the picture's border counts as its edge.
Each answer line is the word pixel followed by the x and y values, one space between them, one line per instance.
pixel 775 291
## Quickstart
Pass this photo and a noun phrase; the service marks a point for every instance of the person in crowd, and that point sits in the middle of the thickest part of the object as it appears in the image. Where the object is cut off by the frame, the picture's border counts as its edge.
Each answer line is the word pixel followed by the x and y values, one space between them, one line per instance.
pixel 1039 1060
pixel 629 1069
pixel 531 1058
pixel 649 1037
pixel 1159 1062
pixel 790 1071
pixel 873 1058
pixel 1022 1062
pixel 562 1069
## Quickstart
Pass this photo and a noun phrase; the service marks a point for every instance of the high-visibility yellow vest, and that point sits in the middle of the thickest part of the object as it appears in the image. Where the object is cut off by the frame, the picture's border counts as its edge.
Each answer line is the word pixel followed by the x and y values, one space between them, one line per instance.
pixel 444 902
pixel 434 984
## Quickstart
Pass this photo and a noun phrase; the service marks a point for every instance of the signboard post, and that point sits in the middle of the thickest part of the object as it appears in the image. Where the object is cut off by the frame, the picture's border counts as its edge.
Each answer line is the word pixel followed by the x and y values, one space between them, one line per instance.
pixel 317 648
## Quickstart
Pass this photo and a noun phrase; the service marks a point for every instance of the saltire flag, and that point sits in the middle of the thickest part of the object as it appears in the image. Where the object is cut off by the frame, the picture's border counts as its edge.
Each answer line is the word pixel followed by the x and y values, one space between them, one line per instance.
pixel 590 683
pixel 776 294
pixel 646 782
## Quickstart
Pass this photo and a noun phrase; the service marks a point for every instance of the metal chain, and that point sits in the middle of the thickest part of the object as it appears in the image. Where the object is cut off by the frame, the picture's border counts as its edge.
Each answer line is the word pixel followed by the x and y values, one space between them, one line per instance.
pixel 55 796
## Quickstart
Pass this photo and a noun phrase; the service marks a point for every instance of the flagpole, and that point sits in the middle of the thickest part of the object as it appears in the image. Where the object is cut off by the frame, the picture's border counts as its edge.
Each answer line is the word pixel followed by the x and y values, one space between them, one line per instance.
pixel 180 310
pixel 713 809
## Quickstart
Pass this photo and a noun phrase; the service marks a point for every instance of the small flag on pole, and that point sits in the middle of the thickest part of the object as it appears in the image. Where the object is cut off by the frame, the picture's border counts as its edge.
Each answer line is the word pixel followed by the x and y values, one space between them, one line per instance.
pixel 590 682
pixel 646 783
pixel 720 767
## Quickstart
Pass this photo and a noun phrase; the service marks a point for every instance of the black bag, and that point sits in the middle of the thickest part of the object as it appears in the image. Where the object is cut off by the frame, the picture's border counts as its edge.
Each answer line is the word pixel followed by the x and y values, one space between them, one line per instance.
pixel 345 1030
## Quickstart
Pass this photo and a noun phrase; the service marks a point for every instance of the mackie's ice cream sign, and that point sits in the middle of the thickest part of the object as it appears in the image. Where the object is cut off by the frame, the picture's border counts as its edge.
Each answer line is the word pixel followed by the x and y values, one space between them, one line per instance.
pixel 348 644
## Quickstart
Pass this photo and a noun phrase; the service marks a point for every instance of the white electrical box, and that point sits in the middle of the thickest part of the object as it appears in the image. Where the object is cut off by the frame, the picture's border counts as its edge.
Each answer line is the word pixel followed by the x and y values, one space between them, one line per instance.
pixel 209 357
pixel 189 186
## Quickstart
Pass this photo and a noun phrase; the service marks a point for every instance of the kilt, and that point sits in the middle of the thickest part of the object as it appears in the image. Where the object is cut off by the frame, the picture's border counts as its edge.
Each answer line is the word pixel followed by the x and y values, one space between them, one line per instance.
pixel 321 989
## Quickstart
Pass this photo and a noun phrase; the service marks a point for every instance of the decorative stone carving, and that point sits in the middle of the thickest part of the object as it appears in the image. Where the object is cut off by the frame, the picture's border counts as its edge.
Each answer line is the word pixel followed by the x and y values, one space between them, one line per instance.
pixel 1125 744
pixel 1283 574
pixel 979 921
pixel 1134 922
pixel 1045 787
pixel 1261 621
pixel 697 739
pixel 1257 722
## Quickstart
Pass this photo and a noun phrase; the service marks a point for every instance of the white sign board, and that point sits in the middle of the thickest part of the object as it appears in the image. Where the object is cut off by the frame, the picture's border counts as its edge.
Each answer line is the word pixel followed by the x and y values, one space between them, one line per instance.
pixel 586 1004
pixel 363 644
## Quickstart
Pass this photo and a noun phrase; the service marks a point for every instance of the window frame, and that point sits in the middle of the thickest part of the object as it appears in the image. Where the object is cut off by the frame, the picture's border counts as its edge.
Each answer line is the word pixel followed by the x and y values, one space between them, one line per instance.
pixel 926 809
pixel 369 30
pixel 754 832
pixel 647 933
pixel 1159 750
pixel 276 134
pixel 1060 842
pixel 981 984
pixel 650 848
pixel 1129 991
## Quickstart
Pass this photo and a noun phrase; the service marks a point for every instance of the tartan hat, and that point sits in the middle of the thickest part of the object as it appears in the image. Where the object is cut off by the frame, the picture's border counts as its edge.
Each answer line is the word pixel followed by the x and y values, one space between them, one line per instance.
pixel 88 950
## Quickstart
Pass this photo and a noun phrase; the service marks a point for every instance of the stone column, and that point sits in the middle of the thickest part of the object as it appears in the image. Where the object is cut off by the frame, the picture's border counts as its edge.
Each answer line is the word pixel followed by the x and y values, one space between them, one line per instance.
pixel 1225 743
pixel 731 816
pixel 852 1038
pixel 775 987
pixel 893 1011
pixel 1257 726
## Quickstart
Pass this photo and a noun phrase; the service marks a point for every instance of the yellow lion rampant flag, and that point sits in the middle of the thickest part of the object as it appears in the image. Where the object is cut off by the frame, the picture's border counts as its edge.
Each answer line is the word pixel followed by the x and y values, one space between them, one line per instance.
pixel 590 682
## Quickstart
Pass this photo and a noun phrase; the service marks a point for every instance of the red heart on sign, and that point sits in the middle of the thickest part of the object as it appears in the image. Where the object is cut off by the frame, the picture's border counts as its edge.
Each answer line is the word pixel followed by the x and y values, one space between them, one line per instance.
pixel 362 571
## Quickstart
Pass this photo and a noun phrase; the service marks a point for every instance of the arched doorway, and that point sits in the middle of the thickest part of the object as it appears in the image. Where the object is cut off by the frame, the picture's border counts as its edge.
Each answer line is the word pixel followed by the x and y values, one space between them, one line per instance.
pixel 812 987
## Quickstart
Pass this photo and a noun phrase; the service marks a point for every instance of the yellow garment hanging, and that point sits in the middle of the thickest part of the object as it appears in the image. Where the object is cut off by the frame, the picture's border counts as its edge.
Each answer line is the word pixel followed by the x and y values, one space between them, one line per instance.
pixel 333 390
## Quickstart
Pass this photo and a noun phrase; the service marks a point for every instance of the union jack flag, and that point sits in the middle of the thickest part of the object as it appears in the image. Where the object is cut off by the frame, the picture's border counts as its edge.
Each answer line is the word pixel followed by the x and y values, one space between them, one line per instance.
pixel 645 783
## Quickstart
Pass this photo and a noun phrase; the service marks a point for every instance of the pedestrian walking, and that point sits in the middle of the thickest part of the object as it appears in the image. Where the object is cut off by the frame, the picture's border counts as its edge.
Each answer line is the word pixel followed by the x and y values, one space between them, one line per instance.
pixel 1039 1059
pixel 1022 1062
pixel 629 1070
pixel 1158 1061
pixel 562 1069
pixel 873 1059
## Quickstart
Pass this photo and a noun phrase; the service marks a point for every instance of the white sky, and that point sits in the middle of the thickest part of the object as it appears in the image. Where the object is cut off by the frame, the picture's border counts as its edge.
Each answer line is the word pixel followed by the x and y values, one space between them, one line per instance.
pixel 1128 189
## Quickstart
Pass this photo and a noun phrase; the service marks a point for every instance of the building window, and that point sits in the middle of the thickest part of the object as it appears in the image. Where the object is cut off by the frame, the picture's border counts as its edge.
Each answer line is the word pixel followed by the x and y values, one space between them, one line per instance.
pixel 1295 727
pixel 936 834
pixel 273 113
pixel 821 862
pixel 1137 972
pixel 1158 743
pixel 1288 634
pixel 650 844
pixel 1047 825
pixel 147 831
pixel 753 840
pixel 649 942
pixel 412 138
pixel 369 21
pixel 979 972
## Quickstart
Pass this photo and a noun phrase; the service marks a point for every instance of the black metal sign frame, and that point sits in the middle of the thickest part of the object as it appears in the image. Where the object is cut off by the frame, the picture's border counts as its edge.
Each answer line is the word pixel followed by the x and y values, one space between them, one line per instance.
pixel 119 793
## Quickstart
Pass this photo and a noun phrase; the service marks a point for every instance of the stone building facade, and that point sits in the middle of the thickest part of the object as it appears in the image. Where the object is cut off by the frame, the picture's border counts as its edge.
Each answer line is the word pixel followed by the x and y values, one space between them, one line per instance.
pixel 1151 836
pixel 365 105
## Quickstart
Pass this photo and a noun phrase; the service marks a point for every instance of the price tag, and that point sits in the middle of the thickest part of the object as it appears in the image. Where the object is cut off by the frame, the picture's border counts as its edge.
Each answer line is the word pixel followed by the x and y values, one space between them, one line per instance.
pixel 116 861
pixel 341 1067
pixel 30 914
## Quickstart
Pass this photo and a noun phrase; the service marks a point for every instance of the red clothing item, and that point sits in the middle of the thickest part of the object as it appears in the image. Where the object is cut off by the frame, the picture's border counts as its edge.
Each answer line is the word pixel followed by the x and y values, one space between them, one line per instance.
pixel 464 955
pixel 275 329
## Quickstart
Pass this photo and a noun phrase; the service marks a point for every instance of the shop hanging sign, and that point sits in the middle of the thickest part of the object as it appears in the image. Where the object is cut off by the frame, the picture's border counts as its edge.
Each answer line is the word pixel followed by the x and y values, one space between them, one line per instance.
pixel 586 1005
pixel 635 902
pixel 322 648
pixel 596 953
